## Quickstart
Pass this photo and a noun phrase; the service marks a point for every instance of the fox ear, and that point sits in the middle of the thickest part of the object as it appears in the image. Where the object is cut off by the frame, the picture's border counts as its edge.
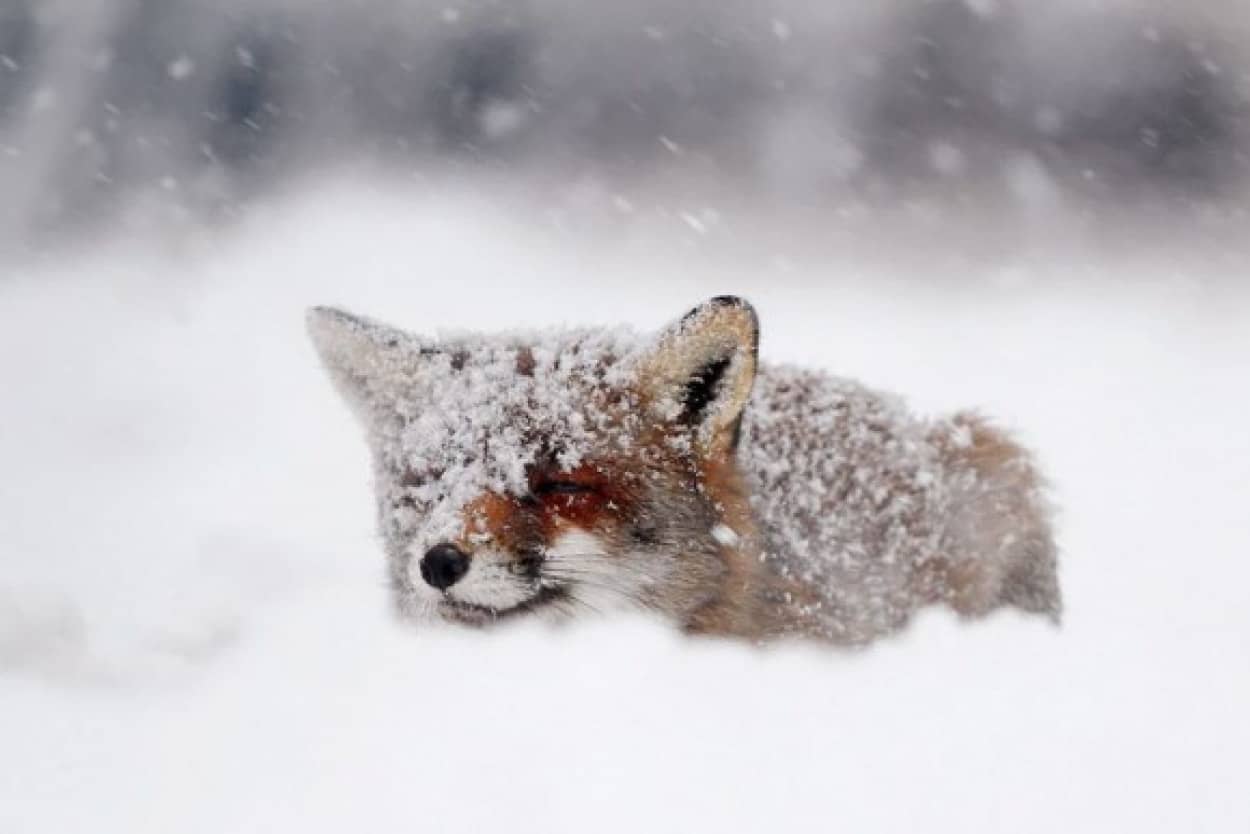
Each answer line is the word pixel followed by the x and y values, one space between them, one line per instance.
pixel 371 363
pixel 700 371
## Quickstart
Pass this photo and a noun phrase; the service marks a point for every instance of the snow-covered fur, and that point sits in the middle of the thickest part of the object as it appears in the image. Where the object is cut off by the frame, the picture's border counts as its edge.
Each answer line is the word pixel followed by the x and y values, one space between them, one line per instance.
pixel 575 471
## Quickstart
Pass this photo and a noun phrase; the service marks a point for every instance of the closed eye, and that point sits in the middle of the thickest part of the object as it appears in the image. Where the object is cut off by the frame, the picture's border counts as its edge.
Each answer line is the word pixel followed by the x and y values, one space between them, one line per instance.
pixel 545 488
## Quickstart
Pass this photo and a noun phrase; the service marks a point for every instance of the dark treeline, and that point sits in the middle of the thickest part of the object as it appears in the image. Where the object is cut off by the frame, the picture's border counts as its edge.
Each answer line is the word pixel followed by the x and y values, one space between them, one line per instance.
pixel 211 100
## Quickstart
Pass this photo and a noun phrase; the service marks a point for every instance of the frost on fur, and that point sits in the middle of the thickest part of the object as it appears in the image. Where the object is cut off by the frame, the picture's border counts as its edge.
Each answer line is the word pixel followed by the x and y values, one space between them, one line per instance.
pixel 575 471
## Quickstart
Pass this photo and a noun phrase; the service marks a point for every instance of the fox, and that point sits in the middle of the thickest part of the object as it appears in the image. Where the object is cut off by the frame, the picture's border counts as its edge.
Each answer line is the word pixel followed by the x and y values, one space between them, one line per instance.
pixel 559 474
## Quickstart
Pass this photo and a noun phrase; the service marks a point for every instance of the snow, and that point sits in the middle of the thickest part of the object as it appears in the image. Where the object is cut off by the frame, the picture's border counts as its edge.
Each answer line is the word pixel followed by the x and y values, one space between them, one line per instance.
pixel 180 68
pixel 947 159
pixel 725 534
pixel 194 629
pixel 456 414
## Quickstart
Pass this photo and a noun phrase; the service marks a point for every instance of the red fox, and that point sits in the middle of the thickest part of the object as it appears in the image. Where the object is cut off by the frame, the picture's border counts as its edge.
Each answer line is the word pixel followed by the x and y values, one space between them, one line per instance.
pixel 584 470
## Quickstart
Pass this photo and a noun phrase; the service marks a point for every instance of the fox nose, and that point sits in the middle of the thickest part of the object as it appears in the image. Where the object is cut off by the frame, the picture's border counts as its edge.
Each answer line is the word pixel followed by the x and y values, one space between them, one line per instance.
pixel 443 565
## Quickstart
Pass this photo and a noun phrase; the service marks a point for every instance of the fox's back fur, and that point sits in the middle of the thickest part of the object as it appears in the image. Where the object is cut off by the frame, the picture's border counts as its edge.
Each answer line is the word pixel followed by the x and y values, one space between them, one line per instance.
pixel 521 475
pixel 874 513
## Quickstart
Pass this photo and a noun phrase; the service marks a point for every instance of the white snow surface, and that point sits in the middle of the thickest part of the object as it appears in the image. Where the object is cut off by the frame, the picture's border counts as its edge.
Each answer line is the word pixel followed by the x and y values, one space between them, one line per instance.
pixel 194 628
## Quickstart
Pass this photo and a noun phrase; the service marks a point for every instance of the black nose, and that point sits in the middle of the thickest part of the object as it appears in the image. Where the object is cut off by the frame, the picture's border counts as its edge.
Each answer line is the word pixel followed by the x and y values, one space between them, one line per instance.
pixel 443 565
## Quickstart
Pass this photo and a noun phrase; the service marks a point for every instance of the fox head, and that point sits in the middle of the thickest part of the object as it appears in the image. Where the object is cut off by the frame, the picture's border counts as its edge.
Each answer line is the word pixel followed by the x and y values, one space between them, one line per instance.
pixel 560 473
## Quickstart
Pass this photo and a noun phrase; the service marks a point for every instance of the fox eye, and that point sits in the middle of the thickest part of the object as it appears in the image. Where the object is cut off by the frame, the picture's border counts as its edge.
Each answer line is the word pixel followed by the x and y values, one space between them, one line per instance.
pixel 554 487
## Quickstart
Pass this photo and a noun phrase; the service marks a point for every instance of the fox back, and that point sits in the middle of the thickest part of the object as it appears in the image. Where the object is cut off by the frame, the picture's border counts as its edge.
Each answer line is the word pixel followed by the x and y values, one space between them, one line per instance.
pixel 579 471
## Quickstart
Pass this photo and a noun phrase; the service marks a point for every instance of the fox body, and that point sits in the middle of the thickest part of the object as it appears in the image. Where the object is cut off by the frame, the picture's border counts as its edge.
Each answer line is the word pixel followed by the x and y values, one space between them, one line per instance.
pixel 579 471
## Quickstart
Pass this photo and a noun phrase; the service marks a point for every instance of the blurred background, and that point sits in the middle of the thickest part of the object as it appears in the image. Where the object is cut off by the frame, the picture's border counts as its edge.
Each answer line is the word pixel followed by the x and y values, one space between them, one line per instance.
pixel 1035 209
pixel 985 125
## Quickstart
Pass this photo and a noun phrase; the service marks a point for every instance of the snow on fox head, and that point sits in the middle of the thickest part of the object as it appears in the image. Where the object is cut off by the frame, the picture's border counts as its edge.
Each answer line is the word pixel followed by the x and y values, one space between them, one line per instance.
pixel 554 473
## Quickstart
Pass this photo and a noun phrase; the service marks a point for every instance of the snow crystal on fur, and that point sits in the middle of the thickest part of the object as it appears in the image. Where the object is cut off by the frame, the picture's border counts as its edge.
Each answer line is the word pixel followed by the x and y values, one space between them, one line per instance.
pixel 876 512
pixel 453 418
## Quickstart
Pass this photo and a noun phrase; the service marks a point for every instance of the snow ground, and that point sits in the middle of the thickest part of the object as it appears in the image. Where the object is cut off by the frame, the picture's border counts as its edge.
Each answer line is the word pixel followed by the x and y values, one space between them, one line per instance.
pixel 193 629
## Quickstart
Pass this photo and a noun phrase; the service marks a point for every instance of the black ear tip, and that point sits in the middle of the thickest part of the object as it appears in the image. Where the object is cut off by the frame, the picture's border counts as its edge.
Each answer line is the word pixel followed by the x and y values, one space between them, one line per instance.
pixel 726 308
pixel 723 302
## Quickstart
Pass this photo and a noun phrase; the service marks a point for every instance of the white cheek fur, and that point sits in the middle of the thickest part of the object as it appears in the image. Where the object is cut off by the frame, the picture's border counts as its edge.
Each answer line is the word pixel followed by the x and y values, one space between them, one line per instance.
pixel 578 561
pixel 489 582
pixel 599 580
